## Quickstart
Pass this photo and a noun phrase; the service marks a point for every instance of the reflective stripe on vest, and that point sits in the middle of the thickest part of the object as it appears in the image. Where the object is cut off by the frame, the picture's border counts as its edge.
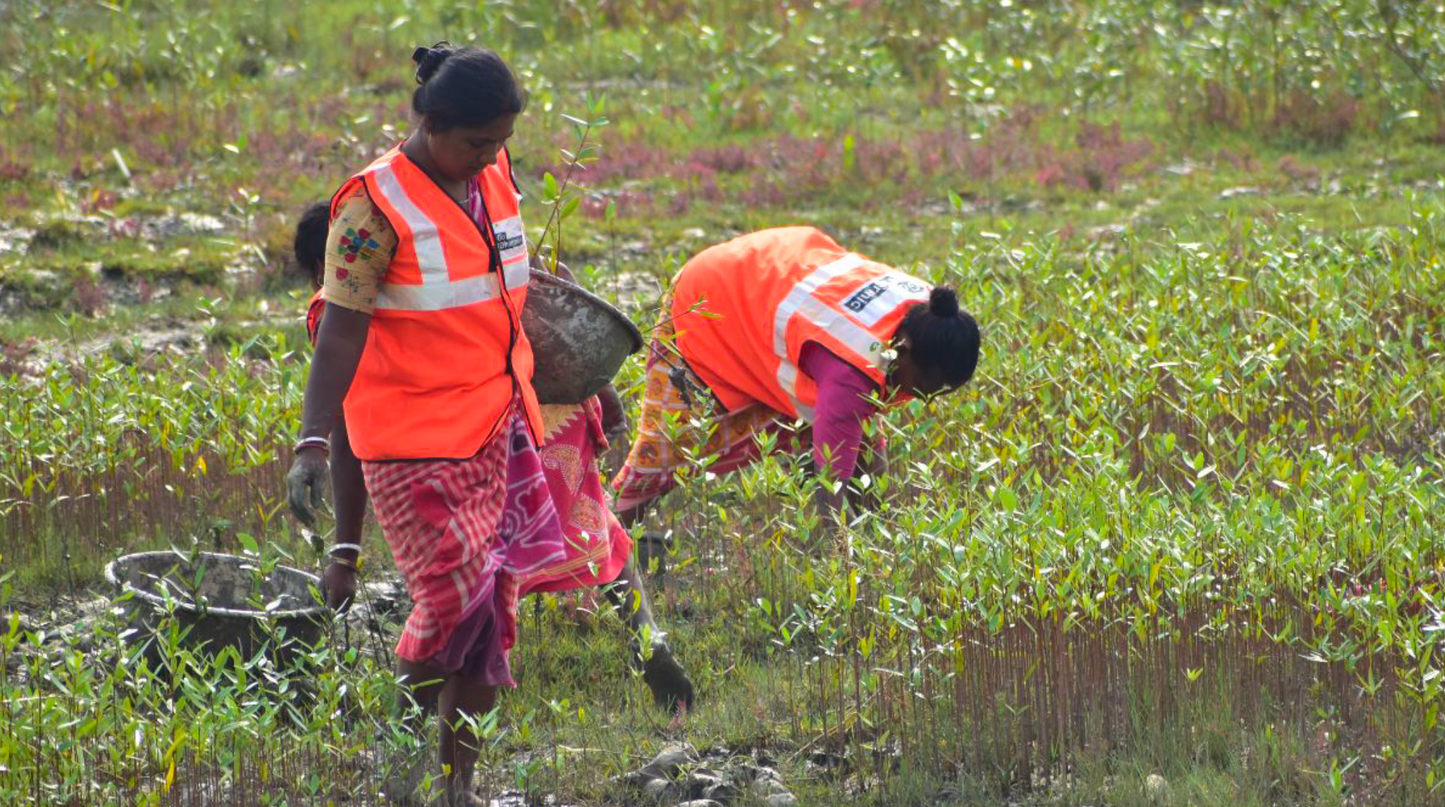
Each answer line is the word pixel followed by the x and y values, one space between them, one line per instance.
pixel 746 308
pixel 445 356
pixel 437 290
pixel 801 302
pixel 868 304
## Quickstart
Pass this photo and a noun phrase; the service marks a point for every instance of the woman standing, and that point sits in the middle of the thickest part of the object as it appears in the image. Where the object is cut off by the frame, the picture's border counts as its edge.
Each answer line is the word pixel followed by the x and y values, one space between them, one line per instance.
pixel 785 325
pixel 598 549
pixel 426 273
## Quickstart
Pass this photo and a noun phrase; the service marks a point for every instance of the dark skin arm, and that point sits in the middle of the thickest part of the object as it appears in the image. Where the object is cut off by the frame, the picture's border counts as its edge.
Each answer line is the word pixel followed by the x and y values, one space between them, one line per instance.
pixel 906 375
pixel 339 344
pixel 614 414
pixel 872 461
pixel 348 487
pixel 829 503
pixel 348 490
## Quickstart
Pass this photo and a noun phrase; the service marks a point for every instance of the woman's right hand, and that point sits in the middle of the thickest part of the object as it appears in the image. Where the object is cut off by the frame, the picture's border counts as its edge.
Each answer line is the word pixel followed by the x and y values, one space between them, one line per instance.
pixel 339 343
pixel 306 484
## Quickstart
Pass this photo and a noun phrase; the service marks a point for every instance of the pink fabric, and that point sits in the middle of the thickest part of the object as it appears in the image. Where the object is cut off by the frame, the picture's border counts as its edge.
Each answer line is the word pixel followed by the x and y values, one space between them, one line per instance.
pixel 597 546
pixel 474 204
pixel 843 406
pixel 529 539
pixel 461 534
pixel 476 648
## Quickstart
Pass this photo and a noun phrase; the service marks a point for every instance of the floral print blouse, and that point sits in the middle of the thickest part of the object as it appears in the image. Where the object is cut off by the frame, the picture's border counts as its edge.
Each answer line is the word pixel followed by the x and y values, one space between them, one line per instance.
pixel 359 248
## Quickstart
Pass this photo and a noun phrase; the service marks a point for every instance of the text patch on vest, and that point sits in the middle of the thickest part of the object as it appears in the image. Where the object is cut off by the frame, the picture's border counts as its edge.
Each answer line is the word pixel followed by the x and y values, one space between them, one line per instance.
pixel 511 241
pixel 873 300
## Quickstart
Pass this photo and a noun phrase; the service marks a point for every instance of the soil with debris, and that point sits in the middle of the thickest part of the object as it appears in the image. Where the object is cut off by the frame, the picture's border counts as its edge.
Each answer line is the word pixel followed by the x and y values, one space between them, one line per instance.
pixel 680 776
pixel 74 621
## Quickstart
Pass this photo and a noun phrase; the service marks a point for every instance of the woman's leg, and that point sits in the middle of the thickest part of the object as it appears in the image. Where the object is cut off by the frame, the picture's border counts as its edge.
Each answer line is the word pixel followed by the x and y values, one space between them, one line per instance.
pixel 459 702
pixel 669 683
pixel 464 702
pixel 416 702
pixel 632 516
pixel 422 687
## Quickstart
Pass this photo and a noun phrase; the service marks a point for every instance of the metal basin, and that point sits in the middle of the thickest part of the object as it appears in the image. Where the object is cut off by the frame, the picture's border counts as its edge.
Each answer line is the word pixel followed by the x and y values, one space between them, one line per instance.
pixel 223 599
pixel 579 341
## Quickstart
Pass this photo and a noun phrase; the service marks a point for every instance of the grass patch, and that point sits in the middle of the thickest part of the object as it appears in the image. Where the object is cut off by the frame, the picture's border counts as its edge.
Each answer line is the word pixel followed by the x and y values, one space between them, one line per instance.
pixel 1185 523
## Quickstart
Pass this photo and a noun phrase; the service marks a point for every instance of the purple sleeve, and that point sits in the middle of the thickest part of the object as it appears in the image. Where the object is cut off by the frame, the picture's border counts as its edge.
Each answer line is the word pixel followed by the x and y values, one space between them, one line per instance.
pixel 843 405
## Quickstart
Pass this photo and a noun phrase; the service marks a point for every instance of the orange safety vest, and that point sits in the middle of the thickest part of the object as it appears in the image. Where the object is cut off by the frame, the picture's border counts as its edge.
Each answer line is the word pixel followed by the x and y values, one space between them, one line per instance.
pixel 768 293
pixel 445 354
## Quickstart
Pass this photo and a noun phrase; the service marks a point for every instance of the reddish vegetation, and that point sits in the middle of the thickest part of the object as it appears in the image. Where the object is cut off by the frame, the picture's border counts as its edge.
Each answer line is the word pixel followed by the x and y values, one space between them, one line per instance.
pixel 90 297
pixel 14 356
pixel 1245 163
pixel 1296 170
pixel 1100 157
pixel 168 146
pixel 12 171
pixel 1324 121
pixel 786 169
pixel 100 200
pixel 1319 119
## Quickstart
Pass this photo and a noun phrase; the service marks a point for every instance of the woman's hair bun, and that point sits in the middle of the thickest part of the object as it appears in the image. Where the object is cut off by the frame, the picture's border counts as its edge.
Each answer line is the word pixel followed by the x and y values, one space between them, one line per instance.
pixel 429 60
pixel 943 302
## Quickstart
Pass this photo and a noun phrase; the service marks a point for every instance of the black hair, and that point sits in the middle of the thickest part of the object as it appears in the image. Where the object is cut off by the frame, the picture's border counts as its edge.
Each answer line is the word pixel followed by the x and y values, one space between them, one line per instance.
pixel 310 243
pixel 463 87
pixel 942 336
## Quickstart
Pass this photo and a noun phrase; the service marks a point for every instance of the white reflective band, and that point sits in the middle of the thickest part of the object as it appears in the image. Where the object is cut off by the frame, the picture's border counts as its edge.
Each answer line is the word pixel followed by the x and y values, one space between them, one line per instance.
pixel 437 291
pixel 426 238
pixel 805 412
pixel 452 294
pixel 857 339
pixel 518 274
pixel 801 302
pixel 802 292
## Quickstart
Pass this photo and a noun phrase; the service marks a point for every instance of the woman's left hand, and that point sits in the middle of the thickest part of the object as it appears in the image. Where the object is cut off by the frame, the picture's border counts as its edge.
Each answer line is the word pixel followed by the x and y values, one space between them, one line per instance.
pixel 339 583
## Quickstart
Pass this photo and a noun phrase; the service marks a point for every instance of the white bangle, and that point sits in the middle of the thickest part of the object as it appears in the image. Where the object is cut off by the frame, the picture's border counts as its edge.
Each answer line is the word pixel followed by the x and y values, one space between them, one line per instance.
pixel 314 442
pixel 353 547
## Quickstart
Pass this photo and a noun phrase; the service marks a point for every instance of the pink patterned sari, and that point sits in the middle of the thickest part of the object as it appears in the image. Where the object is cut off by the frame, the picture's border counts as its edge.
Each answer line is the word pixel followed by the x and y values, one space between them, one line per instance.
pixel 471 538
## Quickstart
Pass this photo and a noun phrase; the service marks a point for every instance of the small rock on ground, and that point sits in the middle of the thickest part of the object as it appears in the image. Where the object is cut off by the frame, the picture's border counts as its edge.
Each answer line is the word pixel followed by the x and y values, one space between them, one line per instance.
pixel 668 762
pixel 656 789
pixel 1156 788
pixel 676 776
